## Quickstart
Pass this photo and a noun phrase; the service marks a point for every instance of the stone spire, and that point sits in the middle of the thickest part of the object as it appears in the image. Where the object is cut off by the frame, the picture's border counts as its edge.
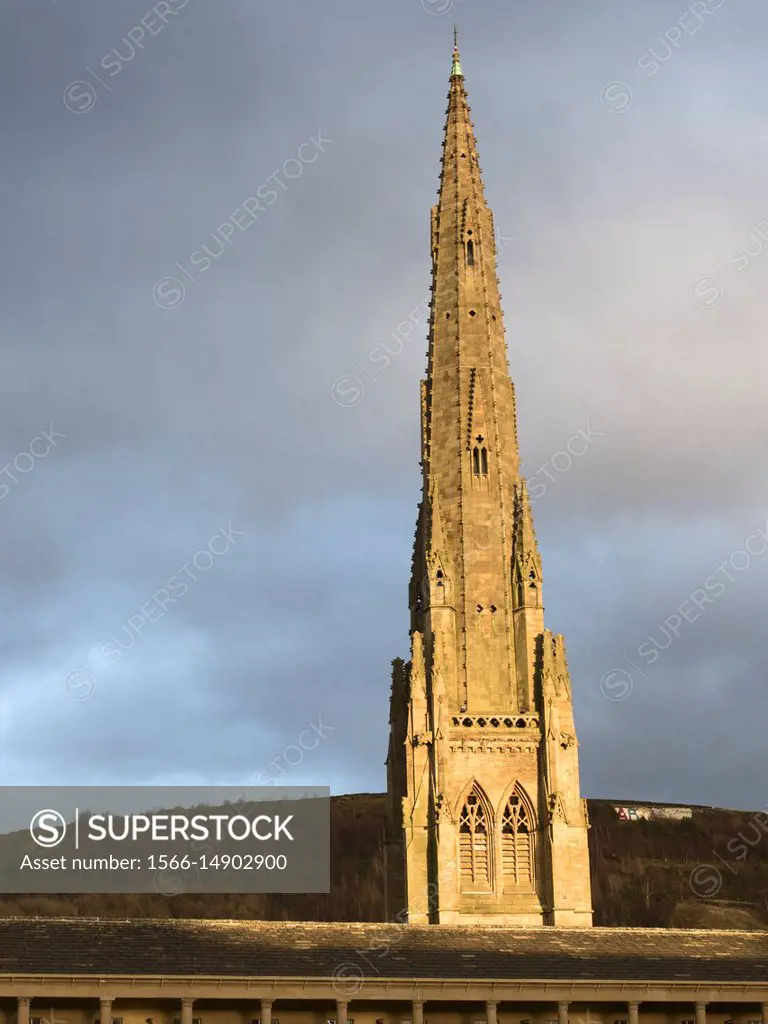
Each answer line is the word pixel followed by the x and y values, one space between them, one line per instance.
pixel 469 413
pixel 477 766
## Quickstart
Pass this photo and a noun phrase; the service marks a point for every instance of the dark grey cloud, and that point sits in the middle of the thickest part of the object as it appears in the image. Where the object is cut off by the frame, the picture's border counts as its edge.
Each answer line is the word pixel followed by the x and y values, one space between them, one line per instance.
pixel 628 201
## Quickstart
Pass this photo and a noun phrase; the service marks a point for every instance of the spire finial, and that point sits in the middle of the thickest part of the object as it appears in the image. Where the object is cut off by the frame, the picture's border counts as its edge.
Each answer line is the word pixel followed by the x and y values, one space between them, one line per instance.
pixel 456 71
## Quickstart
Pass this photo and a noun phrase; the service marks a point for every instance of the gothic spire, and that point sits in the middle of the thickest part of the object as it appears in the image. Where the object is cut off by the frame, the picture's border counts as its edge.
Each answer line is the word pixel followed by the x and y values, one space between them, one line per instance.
pixel 479 695
pixel 466 332
pixel 469 424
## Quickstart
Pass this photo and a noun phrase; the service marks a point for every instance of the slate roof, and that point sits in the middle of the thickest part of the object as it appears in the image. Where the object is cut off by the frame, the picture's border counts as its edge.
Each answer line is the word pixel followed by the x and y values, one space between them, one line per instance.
pixel 269 949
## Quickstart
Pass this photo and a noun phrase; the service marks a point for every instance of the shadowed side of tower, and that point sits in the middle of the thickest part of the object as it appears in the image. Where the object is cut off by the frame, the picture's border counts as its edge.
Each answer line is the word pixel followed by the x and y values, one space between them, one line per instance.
pixel 486 823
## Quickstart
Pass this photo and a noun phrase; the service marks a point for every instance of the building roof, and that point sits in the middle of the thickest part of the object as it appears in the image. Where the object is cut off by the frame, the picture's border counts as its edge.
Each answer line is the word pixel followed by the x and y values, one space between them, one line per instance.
pixel 268 949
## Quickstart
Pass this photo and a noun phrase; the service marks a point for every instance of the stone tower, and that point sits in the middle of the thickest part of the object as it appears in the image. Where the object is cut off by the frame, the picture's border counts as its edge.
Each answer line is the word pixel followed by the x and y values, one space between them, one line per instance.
pixel 485 820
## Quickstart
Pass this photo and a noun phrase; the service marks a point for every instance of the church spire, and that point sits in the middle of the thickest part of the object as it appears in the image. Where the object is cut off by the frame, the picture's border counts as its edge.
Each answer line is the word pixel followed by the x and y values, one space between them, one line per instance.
pixel 485 822
pixel 469 419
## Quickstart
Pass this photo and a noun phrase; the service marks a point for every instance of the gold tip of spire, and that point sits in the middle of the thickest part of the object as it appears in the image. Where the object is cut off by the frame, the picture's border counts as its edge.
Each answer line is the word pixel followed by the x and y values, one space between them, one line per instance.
pixel 456 71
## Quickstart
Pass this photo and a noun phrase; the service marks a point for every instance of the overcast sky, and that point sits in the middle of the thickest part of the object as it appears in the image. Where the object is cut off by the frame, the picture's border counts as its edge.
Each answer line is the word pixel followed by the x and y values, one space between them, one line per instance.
pixel 624 149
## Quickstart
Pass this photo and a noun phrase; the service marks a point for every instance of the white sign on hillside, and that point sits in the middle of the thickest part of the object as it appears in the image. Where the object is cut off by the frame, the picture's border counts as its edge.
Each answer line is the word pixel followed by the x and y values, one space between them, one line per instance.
pixel 649 813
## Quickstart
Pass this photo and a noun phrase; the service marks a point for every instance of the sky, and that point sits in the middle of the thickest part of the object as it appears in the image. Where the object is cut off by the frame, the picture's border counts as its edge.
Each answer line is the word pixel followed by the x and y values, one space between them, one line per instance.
pixel 209 492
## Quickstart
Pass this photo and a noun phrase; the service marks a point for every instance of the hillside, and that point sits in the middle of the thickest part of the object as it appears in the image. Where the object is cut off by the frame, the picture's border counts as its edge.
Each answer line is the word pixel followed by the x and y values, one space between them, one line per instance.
pixel 645 873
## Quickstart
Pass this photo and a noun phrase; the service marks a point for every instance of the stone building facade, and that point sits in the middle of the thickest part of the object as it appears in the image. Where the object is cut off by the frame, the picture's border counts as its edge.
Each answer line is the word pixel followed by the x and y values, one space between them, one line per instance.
pixel 486 820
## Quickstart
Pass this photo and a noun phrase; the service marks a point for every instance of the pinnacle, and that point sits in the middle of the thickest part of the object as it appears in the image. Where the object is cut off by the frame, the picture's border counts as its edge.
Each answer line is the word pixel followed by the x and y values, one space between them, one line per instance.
pixel 524 515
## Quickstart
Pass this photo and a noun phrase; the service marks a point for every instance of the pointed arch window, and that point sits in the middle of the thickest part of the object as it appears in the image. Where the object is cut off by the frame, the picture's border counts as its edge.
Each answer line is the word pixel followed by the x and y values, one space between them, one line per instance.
pixel 475 830
pixel 470 253
pixel 517 841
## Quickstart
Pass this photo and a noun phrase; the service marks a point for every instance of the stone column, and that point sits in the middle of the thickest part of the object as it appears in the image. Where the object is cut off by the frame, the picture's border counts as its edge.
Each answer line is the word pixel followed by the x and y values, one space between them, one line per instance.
pixel 634 1012
pixel 701 1013
pixel 417 1011
pixel 105 1011
pixel 490 1011
pixel 562 1012
pixel 266 1011
pixel 765 1013
pixel 22 1010
pixel 187 1005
